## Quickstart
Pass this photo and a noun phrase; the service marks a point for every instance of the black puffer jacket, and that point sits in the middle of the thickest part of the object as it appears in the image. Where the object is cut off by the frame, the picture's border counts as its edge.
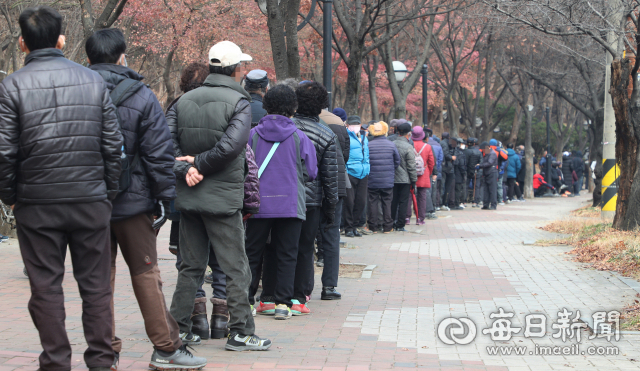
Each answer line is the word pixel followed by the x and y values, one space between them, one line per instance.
pixel 343 146
pixel 578 164
pixel 325 186
pixel 146 133
pixel 474 157
pixel 447 153
pixel 567 170
pixel 59 136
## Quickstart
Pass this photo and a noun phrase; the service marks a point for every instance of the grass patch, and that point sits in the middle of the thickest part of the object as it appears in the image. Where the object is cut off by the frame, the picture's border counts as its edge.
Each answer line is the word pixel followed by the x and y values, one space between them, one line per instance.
pixel 630 316
pixel 587 212
pixel 595 242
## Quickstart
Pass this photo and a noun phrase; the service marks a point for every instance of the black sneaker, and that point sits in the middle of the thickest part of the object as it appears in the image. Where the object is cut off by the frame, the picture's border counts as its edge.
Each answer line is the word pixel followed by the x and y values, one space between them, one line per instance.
pixel 243 342
pixel 181 359
pixel 208 278
pixel 320 262
pixel 356 233
pixel 190 338
pixel 173 249
pixel 349 234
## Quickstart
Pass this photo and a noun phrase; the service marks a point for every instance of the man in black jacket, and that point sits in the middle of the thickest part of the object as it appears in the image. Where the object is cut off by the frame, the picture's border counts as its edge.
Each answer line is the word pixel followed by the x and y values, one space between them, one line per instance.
pixel 460 167
pixel 448 176
pixel 474 156
pixel 59 169
pixel 578 167
pixel 152 185
pixel 256 84
pixel 329 234
pixel 322 193
pixel 488 166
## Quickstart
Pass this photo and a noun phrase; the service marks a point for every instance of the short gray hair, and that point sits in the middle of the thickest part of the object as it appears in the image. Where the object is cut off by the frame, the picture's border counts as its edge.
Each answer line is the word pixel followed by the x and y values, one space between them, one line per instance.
pixel 290 82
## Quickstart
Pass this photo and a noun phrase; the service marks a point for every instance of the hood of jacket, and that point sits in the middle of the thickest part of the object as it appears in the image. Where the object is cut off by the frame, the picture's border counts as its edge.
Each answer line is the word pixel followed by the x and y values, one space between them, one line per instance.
pixel 275 128
pixel 113 74
pixel 511 152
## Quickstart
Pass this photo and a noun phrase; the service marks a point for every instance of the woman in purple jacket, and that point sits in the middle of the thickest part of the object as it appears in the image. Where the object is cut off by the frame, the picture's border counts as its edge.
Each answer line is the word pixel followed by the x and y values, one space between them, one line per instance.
pixel 286 159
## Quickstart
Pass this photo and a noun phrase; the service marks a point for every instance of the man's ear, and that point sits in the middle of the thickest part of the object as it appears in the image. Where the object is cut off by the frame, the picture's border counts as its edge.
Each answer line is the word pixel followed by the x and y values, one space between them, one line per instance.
pixel 61 42
pixel 23 46
pixel 88 61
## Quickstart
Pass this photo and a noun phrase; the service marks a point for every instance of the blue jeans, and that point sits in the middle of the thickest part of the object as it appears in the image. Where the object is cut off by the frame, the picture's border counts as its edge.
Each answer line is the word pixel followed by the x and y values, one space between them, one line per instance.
pixel 577 186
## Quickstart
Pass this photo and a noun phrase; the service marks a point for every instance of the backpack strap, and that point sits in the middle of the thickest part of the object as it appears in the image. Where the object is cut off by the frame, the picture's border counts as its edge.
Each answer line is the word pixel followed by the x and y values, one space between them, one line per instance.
pixel 119 93
pixel 268 158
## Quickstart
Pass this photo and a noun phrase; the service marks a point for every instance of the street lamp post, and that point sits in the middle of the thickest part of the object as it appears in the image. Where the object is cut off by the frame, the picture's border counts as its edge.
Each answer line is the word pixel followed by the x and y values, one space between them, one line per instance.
pixel 425 111
pixel 400 71
pixel 327 31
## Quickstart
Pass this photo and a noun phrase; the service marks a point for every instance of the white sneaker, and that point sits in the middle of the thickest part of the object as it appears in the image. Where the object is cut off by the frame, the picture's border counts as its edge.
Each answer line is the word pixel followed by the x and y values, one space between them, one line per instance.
pixel 283 312
pixel 253 311
pixel 501 204
pixel 445 208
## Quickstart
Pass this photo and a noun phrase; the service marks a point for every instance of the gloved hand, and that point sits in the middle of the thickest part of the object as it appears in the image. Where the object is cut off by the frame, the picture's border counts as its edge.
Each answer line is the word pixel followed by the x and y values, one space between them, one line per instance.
pixel 163 209
pixel 330 219
pixel 477 166
pixel 413 186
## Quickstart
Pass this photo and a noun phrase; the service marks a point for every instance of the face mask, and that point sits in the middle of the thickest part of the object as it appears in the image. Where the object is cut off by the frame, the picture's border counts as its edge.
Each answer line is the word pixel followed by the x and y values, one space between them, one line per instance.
pixel 355 128
pixel 462 146
pixel 124 61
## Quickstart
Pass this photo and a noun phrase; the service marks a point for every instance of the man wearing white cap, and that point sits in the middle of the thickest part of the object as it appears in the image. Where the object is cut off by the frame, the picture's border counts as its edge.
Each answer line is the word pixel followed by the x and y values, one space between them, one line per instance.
pixel 210 129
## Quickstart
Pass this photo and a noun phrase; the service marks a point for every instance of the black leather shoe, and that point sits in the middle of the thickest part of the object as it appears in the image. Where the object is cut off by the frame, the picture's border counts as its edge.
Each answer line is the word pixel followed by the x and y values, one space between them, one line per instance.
pixel 349 234
pixel 357 234
pixel 330 293
pixel 457 208
pixel 401 230
pixel 493 208
pixel 485 208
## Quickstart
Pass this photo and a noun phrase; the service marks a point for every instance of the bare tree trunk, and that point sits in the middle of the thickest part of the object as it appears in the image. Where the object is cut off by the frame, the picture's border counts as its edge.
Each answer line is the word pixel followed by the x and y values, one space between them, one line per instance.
pixel 275 24
pixel 529 153
pixel 291 25
pixel 372 70
pixel 627 138
pixel 354 73
pixel 166 77
pixel 515 127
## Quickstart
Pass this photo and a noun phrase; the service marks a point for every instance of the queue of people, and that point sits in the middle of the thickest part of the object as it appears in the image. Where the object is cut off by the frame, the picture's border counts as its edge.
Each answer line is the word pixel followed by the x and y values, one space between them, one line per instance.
pixel 258 181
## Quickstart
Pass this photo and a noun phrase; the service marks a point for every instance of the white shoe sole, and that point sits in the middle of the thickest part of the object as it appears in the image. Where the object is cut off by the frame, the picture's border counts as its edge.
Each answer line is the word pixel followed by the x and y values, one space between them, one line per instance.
pixel 247 348
pixel 174 367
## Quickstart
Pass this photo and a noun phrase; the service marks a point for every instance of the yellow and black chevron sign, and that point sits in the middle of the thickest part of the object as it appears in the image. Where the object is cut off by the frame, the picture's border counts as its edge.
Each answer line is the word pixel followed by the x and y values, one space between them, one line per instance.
pixel 611 172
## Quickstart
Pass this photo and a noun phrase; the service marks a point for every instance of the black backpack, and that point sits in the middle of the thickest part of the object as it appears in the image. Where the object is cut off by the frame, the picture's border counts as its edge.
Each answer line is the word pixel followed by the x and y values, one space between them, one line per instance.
pixel 125 89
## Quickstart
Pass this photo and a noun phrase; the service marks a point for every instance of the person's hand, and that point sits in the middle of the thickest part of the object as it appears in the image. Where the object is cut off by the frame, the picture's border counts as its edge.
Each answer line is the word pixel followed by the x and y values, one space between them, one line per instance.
pixel 434 178
pixel 12 206
pixel 478 166
pixel 161 214
pixel 453 158
pixel 188 159
pixel 518 184
pixel 193 177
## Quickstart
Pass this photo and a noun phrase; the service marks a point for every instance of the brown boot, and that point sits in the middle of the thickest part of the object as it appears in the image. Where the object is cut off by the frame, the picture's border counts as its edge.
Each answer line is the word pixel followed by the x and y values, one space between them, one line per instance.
pixel 219 319
pixel 200 325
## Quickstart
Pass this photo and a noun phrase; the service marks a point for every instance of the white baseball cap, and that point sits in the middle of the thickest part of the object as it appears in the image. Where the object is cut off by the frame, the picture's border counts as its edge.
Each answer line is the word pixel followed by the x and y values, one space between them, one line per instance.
pixel 227 54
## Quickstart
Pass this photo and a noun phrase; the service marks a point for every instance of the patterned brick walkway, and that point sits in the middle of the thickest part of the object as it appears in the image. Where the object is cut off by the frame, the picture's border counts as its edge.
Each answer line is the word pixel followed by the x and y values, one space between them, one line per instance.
pixel 465 264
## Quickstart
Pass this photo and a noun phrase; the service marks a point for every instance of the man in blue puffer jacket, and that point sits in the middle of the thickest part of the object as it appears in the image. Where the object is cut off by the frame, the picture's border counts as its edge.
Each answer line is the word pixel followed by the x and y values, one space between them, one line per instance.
pixel 358 169
pixel 384 161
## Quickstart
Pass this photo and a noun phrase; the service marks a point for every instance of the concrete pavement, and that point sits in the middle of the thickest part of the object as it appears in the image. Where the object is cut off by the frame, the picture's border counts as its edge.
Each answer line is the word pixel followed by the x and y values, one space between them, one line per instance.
pixel 465 265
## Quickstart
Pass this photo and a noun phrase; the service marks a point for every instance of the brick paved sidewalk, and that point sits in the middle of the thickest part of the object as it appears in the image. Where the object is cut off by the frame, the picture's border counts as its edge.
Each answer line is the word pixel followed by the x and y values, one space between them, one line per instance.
pixel 465 264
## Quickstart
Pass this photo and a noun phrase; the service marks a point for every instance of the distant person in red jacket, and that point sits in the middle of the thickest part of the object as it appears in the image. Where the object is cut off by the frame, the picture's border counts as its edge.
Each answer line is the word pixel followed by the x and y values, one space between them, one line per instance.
pixel 540 186
pixel 423 185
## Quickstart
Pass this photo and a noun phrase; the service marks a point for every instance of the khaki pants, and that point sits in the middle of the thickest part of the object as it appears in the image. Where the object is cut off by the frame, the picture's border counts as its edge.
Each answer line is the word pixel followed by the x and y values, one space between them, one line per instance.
pixel 137 240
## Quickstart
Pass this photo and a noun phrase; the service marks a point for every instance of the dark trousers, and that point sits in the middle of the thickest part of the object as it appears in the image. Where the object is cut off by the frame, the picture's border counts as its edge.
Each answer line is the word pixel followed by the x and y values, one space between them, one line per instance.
pixel 448 193
pixel 513 188
pixel 377 197
pixel 174 236
pixel 137 240
pixel 490 198
pixel 330 246
pixel 303 282
pixel 401 194
pixel 423 201
pixel 219 284
pixel 355 202
pixel 44 231
pixel 577 185
pixel 226 234
pixel 435 193
pixel 285 234
pixel 460 193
